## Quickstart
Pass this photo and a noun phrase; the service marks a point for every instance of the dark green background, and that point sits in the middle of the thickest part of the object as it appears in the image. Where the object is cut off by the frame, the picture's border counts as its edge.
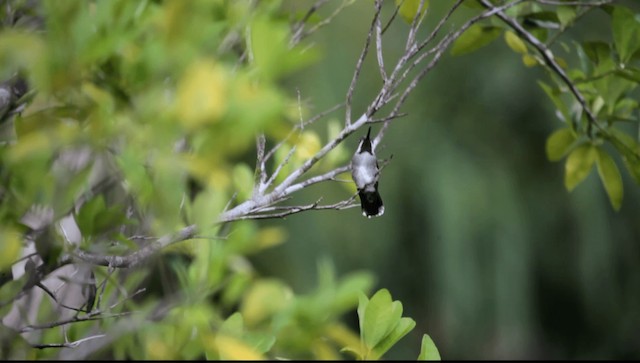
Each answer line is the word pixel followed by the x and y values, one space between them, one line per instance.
pixel 480 240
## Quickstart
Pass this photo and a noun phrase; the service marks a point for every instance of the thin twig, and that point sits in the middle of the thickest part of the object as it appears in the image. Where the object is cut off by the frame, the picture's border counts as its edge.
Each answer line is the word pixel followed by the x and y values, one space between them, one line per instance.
pixel 550 60
pixel 393 16
pixel 383 73
pixel 324 22
pixel 73 344
pixel 94 315
pixel 317 179
pixel 356 73
pixel 138 256
pixel 299 27
pixel 261 173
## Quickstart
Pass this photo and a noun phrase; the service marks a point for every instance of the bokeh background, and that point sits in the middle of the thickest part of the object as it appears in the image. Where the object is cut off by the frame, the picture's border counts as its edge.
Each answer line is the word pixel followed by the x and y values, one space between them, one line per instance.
pixel 480 240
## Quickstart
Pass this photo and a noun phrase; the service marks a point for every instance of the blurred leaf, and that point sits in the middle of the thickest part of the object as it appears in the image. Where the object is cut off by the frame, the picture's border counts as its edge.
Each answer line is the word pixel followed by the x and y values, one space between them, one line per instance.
pixel 554 95
pixel 233 326
pixel 237 285
pixel 611 178
pixel 21 51
pixel 87 215
pixel 270 49
pixel 578 165
pixel 271 236
pixel 626 32
pixel 264 298
pixel 348 289
pixel 559 143
pixel 529 60
pixel 206 206
pixel 566 14
pixel 629 149
pixel 202 94
pixel 599 53
pixel 428 349
pixel 343 336
pixel 308 145
pixel 514 42
pixel 11 246
pixel 324 351
pixel 475 37
pixel 409 9
pixel 243 180
pixel 234 349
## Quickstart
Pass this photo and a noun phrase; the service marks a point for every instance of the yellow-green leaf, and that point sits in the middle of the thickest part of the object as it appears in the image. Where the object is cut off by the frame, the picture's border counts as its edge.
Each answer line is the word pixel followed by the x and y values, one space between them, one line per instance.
pixel 514 42
pixel 529 60
pixel 477 36
pixel 559 143
pixel 428 349
pixel 202 94
pixel 11 246
pixel 409 9
pixel 234 349
pixel 611 178
pixel 578 165
pixel 308 144
pixel 263 299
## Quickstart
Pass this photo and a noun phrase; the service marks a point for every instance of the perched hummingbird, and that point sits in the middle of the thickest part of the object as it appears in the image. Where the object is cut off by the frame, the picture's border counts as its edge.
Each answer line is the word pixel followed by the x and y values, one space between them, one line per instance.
pixel 365 173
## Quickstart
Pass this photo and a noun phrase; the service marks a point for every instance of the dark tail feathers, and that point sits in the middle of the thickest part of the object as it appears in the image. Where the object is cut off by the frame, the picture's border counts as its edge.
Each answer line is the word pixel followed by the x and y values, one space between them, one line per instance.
pixel 371 204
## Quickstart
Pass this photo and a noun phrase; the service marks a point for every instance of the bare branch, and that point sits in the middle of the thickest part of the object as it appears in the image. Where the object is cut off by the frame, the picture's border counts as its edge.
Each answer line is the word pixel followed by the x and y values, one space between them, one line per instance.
pixel 317 179
pixel 415 24
pixel 437 52
pixel 356 73
pixel 136 257
pixel 298 29
pixel 289 210
pixel 547 55
pixel 301 34
pixel 73 344
pixel 94 315
pixel 393 16
pixel 279 167
pixel 383 73
pixel 297 127
pixel 261 173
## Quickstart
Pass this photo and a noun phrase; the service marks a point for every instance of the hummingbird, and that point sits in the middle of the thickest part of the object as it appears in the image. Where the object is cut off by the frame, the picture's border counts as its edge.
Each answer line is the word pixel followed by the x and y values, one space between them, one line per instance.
pixel 365 173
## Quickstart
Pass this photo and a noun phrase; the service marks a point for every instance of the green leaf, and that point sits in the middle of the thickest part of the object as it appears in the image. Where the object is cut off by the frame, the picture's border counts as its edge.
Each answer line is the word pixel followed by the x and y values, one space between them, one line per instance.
pixel 578 165
pixel 233 326
pixel 554 95
pixel 243 180
pixel 87 215
pixel 629 149
pixel 566 14
pixel 379 318
pixel 409 9
pixel 611 178
pixel 428 349
pixel 559 143
pixel 402 328
pixel 476 37
pixel 11 246
pixel 271 52
pixel 626 32
pixel 363 301
pixel 514 42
